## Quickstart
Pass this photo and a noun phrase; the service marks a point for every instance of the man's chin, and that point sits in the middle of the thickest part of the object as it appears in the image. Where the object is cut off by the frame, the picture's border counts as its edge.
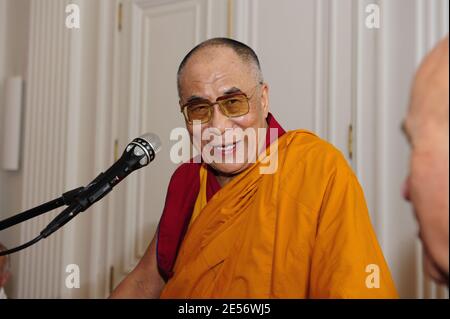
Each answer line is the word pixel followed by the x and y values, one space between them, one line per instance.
pixel 438 277
pixel 434 271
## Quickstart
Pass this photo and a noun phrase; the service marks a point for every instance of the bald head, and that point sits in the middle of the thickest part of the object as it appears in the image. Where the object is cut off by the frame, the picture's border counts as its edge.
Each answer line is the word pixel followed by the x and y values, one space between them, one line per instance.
pixel 207 51
pixel 427 186
pixel 430 95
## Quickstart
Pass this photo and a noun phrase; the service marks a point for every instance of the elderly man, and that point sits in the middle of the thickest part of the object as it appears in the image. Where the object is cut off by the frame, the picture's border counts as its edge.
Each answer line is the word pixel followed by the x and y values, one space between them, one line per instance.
pixel 426 127
pixel 231 229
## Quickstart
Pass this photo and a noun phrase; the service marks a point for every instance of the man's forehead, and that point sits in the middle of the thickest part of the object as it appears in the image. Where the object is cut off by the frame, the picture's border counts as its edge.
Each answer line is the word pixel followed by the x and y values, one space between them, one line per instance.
pixel 433 71
pixel 215 81
pixel 214 77
pixel 430 88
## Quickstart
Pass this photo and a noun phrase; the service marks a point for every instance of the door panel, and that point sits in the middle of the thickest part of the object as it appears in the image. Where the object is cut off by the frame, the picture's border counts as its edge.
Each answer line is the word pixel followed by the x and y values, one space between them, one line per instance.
pixel 160 34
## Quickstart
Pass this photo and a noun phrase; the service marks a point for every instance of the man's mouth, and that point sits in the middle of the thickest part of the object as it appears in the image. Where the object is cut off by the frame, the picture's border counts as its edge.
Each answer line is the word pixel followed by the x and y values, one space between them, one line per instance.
pixel 226 148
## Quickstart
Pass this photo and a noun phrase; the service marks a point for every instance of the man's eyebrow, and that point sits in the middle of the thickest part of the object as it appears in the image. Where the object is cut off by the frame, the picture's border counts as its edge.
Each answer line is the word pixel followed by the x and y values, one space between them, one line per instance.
pixel 232 90
pixel 195 98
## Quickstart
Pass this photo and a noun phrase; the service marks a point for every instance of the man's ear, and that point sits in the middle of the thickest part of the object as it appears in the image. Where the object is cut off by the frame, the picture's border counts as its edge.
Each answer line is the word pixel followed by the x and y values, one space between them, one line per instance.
pixel 265 99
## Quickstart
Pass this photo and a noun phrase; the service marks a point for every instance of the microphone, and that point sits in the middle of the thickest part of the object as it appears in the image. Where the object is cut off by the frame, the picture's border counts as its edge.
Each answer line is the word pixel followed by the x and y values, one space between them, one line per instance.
pixel 138 153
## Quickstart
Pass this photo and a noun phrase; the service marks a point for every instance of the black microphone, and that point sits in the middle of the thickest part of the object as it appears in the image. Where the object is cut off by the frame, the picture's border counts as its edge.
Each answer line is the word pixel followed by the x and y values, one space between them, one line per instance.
pixel 139 153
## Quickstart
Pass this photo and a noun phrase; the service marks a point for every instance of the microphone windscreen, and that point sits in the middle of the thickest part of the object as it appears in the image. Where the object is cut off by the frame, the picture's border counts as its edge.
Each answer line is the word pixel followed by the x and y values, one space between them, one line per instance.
pixel 153 140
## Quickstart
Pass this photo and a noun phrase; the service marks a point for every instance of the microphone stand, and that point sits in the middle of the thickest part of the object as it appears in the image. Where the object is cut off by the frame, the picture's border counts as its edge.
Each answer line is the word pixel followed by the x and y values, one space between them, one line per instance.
pixel 69 198
pixel 66 199
pixel 80 199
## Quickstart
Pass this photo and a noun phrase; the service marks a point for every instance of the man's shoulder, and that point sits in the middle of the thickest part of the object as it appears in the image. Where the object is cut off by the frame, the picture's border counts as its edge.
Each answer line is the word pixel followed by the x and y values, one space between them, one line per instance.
pixel 308 165
pixel 306 147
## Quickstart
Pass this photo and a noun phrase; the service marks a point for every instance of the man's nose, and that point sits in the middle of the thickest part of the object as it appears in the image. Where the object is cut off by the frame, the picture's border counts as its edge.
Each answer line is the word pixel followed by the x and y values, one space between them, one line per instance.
pixel 406 191
pixel 219 120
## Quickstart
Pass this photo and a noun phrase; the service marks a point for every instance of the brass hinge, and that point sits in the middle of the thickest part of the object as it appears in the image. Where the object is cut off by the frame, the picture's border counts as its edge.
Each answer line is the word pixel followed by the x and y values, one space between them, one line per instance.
pixel 111 279
pixel 120 16
pixel 350 141
pixel 116 150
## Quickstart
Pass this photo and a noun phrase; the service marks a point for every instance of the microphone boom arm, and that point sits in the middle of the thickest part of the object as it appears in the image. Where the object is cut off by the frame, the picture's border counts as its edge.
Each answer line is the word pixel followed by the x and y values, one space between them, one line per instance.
pixel 139 153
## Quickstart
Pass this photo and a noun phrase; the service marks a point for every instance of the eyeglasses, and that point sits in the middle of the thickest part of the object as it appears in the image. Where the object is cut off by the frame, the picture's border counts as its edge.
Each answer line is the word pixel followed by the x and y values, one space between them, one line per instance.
pixel 231 105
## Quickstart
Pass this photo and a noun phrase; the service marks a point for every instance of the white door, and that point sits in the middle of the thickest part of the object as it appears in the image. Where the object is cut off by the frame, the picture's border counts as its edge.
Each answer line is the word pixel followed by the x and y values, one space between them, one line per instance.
pixel 153 38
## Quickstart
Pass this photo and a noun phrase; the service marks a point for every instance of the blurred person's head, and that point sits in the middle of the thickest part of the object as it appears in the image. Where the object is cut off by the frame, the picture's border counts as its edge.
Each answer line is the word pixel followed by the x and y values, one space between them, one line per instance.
pixel 427 130
pixel 4 267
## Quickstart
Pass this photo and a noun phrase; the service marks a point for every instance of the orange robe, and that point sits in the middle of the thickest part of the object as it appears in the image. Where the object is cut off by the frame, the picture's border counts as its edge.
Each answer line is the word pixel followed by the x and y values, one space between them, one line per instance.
pixel 302 232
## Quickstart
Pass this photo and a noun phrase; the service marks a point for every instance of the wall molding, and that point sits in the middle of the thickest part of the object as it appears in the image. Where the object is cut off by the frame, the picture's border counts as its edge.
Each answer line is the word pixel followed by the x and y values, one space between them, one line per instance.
pixel 141 13
pixel 3 28
pixel 321 68
pixel 245 22
pixel 100 257
pixel 45 121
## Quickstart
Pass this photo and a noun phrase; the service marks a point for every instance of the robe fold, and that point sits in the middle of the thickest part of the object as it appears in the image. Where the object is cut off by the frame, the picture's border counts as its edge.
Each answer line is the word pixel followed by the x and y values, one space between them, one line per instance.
pixel 182 194
pixel 301 232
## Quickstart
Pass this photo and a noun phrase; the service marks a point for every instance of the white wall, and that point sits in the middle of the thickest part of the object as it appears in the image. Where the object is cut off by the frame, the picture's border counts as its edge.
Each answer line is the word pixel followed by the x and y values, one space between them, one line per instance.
pixel 14 22
pixel 59 68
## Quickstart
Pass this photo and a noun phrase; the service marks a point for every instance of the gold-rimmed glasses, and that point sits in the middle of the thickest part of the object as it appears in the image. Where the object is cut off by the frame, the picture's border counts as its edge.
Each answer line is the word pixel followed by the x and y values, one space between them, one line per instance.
pixel 231 105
